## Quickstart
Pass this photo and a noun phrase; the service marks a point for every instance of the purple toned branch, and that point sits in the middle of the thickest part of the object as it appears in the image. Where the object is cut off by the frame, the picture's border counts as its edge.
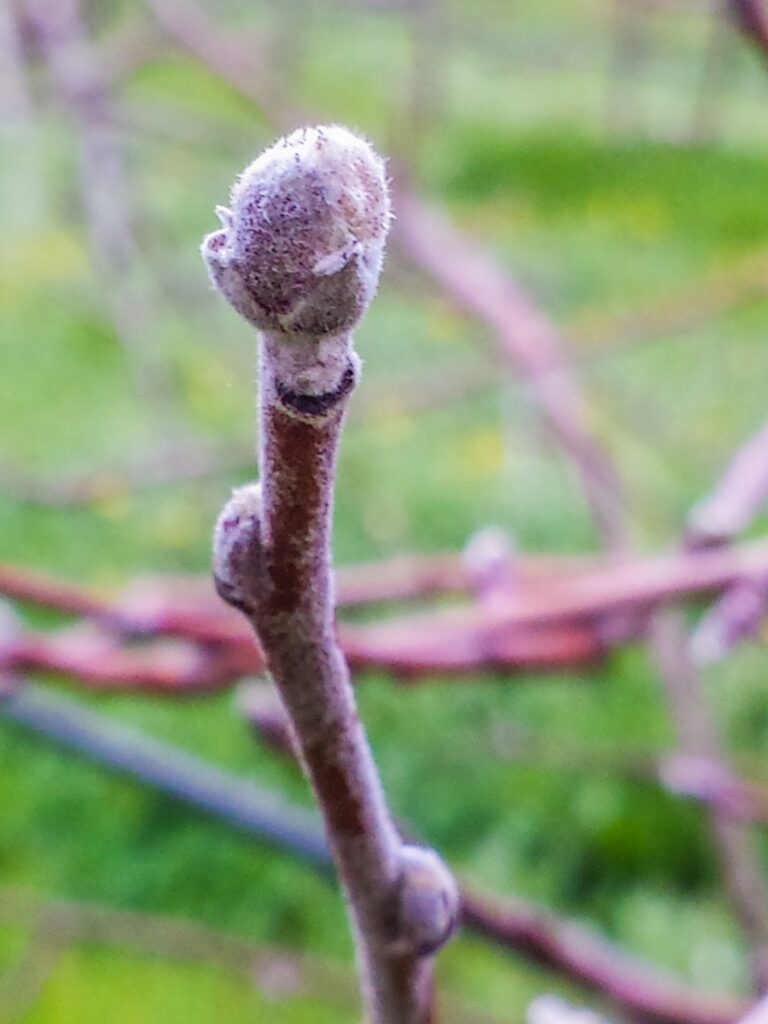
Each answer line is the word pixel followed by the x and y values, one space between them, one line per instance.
pixel 83 85
pixel 758 1014
pixel 752 18
pixel 545 939
pixel 641 991
pixel 299 256
pixel 739 495
pixel 526 340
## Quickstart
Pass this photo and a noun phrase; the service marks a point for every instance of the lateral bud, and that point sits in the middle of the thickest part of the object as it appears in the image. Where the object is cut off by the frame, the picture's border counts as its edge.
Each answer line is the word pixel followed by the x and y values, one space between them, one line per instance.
pixel 237 547
pixel 428 903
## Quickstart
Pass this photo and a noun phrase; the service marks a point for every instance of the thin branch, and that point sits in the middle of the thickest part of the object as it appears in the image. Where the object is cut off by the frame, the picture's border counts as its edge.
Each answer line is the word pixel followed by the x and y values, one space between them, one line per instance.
pixel 526 339
pixel 81 83
pixel 751 16
pixel 738 497
pixel 535 934
pixel 299 256
pixel 758 1014
pixel 277 971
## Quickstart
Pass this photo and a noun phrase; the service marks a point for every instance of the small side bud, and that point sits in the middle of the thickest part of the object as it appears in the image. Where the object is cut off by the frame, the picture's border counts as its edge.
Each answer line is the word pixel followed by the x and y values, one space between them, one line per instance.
pixel 300 250
pixel 237 547
pixel 428 904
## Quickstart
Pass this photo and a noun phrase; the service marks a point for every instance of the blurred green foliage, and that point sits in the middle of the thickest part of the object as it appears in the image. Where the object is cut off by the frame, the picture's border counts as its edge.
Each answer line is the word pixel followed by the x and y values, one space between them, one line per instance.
pixel 592 224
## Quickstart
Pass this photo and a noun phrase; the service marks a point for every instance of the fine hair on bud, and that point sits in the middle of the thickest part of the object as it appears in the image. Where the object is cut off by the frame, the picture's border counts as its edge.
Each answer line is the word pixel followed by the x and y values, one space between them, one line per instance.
pixel 236 546
pixel 427 904
pixel 301 245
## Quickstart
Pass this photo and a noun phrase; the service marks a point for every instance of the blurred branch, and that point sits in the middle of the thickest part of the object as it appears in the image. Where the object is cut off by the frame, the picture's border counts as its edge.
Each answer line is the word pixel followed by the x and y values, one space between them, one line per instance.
pixel 526 339
pixel 22 983
pixel 525 334
pixel 241 803
pixel 246 65
pixel 92 661
pixel 732 504
pixel 737 498
pixel 551 619
pixel 709 295
pixel 698 779
pixel 758 1014
pixel 15 102
pixel 642 992
pixel 82 84
pixel 276 971
pixel 128 48
pixel 751 16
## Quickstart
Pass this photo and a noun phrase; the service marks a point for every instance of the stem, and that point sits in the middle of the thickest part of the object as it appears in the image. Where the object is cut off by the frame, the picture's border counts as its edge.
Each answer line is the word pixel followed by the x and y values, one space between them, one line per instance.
pixel 298 256
pixel 273 562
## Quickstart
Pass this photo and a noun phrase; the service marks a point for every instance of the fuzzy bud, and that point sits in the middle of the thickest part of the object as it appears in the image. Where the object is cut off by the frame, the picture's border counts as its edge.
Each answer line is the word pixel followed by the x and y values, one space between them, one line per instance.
pixel 428 903
pixel 237 547
pixel 300 250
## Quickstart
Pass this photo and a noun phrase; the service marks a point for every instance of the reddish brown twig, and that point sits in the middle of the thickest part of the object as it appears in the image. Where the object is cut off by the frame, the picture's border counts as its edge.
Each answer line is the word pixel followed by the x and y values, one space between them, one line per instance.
pixel 93 660
pixel 541 937
pixel 525 339
pixel 752 18
pixel 644 994
pixel 298 256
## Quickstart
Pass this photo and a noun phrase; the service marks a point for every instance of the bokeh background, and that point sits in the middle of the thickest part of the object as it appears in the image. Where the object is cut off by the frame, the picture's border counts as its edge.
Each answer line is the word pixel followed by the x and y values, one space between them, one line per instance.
pixel 611 156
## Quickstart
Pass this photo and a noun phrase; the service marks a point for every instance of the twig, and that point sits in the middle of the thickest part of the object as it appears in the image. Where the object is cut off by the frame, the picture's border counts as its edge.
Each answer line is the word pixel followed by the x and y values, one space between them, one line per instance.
pixel 299 257
pixel 751 17
pixel 242 804
pixel 738 496
pixel 81 83
pixel 525 339
pixel 533 933
pixel 553 619
pixel 245 65
pixel 22 983
pixel 758 1014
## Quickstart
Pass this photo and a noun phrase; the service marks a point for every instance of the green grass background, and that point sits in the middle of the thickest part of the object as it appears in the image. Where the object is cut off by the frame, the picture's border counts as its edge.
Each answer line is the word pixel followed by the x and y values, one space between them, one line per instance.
pixel 593 220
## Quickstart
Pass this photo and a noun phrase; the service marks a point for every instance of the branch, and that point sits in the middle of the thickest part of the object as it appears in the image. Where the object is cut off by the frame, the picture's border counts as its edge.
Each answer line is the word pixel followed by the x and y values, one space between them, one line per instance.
pixel 525 338
pixel 758 1014
pixel 299 256
pixel 83 85
pixel 535 934
pixel 752 18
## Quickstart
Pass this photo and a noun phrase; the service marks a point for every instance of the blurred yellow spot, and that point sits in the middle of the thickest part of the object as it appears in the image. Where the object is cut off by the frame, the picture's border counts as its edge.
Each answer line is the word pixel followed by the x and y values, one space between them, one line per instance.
pixel 208 386
pixel 176 525
pixel 480 453
pixel 444 326
pixel 644 218
pixel 110 497
pixel 43 257
pixel 393 423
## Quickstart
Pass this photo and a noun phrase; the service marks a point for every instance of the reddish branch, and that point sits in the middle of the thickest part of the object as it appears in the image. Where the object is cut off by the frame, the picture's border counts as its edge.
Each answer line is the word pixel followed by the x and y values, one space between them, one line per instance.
pixel 525 338
pixel 752 18
pixel 640 991
pixel 541 937
pixel 552 620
